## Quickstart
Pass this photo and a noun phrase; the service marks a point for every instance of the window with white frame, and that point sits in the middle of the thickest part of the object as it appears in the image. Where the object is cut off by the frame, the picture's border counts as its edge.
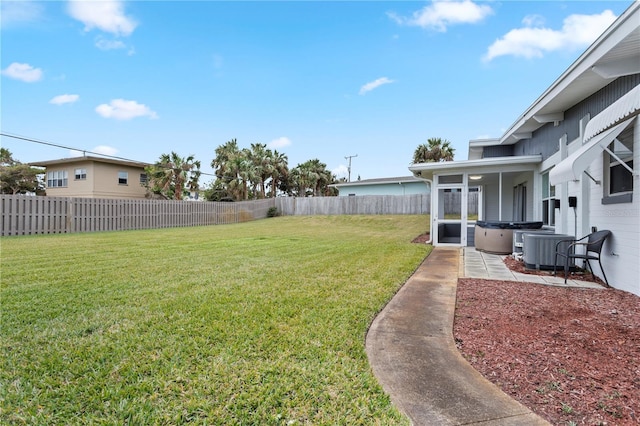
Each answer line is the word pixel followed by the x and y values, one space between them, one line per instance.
pixel 57 179
pixel 81 174
pixel 618 177
pixel 548 201
pixel 123 178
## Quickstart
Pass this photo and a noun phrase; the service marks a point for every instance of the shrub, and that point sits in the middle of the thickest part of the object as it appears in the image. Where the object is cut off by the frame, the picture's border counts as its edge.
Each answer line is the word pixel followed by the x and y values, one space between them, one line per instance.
pixel 272 212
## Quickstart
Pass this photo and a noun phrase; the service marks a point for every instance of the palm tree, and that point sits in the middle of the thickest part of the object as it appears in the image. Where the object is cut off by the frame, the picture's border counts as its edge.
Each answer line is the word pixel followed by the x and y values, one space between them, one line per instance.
pixel 313 175
pixel 234 167
pixel 279 170
pixel 435 150
pixel 172 174
pixel 261 159
pixel 224 155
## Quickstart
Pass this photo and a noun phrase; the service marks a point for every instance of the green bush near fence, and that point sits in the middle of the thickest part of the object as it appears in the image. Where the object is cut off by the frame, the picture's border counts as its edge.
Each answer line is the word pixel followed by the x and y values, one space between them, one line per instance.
pixel 255 323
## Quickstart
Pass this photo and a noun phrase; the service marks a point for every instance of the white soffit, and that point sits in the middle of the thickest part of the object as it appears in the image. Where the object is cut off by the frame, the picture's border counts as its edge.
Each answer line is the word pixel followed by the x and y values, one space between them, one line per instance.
pixel 485 162
pixel 572 167
pixel 625 107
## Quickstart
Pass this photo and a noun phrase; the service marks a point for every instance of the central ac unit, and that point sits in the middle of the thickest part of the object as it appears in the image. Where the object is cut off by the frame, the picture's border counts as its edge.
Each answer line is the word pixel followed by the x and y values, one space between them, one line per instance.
pixel 539 250
pixel 518 239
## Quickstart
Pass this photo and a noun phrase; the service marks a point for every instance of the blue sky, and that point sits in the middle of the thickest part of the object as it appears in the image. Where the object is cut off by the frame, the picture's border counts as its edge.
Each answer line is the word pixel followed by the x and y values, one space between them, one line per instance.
pixel 319 80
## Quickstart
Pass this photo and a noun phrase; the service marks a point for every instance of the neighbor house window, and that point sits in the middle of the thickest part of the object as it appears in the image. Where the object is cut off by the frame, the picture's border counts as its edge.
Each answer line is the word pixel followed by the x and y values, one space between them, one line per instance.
pixel 548 201
pixel 618 180
pixel 123 178
pixel 143 178
pixel 81 174
pixel 57 179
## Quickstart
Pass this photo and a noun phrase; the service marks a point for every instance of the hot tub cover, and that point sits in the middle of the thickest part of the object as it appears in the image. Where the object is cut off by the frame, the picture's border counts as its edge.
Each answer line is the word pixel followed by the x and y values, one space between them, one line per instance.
pixel 496 224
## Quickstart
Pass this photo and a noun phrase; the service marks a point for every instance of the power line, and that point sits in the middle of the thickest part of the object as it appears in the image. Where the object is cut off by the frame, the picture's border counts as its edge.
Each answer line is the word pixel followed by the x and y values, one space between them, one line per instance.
pixel 55 145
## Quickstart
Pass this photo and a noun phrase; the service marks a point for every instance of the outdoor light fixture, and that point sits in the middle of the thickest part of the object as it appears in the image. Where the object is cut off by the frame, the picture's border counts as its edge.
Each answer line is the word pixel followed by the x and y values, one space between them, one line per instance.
pixel 475 177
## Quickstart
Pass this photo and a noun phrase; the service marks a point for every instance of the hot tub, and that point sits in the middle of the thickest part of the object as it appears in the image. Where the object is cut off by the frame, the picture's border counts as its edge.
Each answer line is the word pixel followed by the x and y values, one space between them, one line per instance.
pixel 497 236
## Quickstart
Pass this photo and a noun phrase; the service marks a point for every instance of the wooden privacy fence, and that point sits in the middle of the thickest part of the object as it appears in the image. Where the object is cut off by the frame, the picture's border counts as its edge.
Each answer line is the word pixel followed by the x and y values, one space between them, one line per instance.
pixel 363 204
pixel 374 204
pixel 451 202
pixel 25 215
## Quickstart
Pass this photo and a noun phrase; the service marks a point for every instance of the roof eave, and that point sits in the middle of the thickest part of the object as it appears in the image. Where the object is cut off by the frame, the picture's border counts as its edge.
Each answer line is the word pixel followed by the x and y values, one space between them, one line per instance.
pixel 468 165
pixel 585 66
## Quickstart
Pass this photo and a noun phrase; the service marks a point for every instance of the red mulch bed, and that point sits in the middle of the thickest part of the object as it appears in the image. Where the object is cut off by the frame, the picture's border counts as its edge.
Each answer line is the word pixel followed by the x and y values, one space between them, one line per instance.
pixel 571 355
pixel 582 275
pixel 423 238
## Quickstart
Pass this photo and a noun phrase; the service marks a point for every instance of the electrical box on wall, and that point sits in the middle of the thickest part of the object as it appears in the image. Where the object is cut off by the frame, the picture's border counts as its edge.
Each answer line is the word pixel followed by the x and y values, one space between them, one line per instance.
pixel 573 202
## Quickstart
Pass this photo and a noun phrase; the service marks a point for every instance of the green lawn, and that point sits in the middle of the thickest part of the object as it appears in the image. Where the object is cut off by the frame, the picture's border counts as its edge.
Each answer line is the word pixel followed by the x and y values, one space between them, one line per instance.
pixel 254 323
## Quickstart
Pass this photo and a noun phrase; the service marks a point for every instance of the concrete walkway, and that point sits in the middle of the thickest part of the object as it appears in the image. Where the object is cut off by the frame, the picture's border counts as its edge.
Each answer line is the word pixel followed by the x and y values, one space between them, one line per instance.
pixel 412 352
pixel 477 264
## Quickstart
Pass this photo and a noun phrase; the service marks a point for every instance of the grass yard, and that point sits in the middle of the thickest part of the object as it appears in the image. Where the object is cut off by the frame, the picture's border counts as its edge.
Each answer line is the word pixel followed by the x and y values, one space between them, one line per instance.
pixel 254 323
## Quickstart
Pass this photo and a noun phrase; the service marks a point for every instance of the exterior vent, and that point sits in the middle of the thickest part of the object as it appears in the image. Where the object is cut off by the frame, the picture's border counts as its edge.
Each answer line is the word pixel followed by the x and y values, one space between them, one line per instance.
pixel 539 250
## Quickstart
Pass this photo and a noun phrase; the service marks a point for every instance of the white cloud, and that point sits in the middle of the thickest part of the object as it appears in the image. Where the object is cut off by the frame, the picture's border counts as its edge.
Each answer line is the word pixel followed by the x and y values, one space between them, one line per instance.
pixel 105 15
pixel 18 12
pixel 279 142
pixel 104 44
pixel 341 171
pixel 64 99
pixel 121 109
pixel 375 84
pixel 23 72
pixel 533 40
pixel 441 14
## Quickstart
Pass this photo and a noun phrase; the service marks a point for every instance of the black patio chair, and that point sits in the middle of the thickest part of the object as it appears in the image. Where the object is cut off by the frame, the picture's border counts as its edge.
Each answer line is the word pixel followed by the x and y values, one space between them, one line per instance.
pixel 593 247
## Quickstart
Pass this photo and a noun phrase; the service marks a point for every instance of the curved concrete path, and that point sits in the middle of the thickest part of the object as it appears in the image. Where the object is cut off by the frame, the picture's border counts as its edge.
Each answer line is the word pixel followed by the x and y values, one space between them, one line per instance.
pixel 412 352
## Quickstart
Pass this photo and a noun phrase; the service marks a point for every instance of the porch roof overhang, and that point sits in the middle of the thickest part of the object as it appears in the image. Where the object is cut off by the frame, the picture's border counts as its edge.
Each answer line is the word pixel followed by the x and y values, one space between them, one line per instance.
pixel 493 164
pixel 572 167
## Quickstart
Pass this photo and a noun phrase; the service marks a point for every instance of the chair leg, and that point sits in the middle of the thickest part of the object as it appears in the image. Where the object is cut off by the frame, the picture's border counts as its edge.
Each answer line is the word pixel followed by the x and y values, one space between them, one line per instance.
pixel 555 262
pixel 566 269
pixel 603 274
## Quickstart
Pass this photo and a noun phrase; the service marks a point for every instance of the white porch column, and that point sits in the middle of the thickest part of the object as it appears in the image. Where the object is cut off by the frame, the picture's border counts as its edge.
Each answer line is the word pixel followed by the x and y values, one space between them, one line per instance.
pixel 562 193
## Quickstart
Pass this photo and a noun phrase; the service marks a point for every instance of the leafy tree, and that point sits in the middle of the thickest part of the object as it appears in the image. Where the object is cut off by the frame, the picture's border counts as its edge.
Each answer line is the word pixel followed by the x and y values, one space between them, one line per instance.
pixel 435 150
pixel 18 178
pixel 217 191
pixel 173 176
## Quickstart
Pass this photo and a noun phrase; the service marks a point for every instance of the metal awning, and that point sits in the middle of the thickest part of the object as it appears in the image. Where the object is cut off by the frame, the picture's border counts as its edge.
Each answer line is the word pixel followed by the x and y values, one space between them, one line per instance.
pixel 624 108
pixel 572 167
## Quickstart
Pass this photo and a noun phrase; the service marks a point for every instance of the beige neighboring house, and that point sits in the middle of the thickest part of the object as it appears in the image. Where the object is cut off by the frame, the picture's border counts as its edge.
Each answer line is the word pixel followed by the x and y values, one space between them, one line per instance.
pixel 94 177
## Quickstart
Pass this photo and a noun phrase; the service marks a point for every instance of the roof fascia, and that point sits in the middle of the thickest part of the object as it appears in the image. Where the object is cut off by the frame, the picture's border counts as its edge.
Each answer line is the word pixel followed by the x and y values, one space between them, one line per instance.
pixel 485 162
pixel 71 160
pixel 610 38
pixel 410 179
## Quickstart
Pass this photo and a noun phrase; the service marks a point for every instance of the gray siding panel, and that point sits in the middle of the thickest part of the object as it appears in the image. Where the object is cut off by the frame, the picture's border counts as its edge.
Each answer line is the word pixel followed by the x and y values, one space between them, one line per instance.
pixel 497 151
pixel 545 139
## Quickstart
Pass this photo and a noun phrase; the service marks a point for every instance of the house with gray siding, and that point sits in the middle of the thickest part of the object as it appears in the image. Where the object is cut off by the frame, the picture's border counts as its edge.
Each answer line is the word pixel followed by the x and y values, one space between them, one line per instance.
pixel 405 185
pixel 571 160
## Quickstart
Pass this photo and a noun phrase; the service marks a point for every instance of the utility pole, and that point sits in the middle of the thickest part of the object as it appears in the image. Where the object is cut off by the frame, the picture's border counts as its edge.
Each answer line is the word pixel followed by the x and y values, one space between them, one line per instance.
pixel 348 158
